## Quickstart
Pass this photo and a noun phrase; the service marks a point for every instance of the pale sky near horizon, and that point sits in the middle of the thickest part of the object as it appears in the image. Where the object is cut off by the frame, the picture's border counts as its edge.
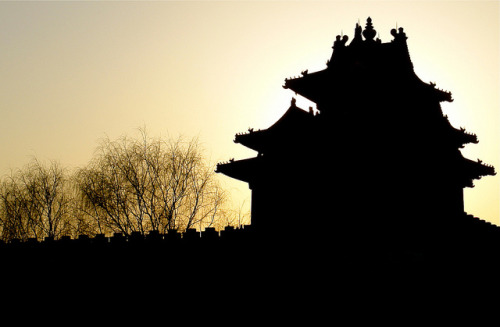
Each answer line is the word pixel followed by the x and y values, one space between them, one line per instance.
pixel 72 72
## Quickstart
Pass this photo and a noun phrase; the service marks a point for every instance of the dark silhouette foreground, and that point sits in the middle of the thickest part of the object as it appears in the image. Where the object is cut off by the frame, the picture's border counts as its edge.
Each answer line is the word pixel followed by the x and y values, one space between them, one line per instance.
pixel 365 191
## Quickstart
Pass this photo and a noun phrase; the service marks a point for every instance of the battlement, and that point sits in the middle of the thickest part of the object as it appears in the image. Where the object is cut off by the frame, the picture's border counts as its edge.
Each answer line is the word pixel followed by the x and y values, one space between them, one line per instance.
pixel 173 237
pixel 466 224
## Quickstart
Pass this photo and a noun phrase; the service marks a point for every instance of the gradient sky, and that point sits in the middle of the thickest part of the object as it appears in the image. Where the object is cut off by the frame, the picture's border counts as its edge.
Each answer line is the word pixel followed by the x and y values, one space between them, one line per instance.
pixel 73 72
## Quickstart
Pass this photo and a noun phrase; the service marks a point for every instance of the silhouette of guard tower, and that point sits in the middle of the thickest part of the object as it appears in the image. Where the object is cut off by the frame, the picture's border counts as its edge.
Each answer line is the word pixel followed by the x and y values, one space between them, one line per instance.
pixel 378 158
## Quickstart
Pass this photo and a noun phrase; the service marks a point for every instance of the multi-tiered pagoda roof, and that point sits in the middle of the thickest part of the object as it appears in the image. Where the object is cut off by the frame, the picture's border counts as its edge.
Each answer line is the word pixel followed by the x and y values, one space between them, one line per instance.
pixel 378 143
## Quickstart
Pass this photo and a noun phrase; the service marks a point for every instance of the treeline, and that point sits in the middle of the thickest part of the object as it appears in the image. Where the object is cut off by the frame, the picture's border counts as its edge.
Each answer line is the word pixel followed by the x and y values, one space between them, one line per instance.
pixel 138 184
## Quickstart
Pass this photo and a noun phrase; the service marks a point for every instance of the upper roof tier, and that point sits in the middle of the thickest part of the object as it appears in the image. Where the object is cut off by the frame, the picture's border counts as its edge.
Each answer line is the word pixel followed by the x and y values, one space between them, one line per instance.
pixel 365 64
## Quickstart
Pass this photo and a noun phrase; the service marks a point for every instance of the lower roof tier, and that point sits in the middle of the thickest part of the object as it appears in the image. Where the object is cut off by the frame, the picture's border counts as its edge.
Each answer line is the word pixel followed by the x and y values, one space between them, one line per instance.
pixel 476 169
pixel 252 169
pixel 244 170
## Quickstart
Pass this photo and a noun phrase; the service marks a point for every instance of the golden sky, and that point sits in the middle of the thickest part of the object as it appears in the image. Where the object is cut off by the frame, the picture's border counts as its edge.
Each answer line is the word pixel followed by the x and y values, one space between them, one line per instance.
pixel 73 72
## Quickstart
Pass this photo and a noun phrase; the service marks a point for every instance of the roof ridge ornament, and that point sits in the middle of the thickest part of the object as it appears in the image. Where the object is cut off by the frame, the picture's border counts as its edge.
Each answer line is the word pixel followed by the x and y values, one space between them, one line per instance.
pixel 399 34
pixel 340 41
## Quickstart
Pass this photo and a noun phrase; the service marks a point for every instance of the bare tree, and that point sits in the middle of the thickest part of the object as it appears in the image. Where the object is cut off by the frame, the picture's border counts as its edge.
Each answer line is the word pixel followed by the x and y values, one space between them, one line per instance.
pixel 131 185
pixel 34 202
pixel 13 219
pixel 149 184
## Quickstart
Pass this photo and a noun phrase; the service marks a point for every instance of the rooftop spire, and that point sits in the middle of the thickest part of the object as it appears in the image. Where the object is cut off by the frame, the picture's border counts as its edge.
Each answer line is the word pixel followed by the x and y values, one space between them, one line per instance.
pixel 357 35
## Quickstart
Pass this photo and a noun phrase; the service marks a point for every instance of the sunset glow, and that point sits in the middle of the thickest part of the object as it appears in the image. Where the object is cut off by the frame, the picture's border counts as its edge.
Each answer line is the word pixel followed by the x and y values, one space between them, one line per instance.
pixel 73 72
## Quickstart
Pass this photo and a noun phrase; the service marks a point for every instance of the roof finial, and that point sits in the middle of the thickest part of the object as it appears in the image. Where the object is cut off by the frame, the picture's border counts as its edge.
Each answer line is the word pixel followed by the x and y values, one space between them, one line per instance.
pixel 369 32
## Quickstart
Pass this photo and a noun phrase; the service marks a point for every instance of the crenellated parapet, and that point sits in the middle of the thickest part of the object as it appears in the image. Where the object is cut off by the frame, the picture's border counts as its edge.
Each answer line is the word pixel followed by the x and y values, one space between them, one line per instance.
pixel 155 238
